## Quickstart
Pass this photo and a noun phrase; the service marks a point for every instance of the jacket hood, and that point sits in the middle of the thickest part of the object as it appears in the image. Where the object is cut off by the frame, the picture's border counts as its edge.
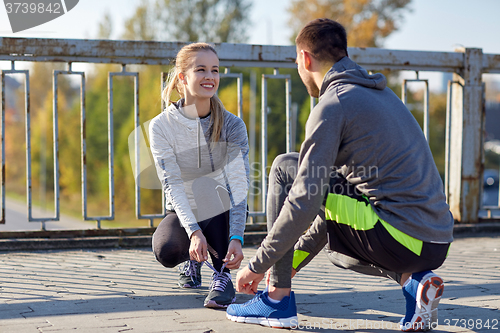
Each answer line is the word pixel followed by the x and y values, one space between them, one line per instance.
pixel 347 71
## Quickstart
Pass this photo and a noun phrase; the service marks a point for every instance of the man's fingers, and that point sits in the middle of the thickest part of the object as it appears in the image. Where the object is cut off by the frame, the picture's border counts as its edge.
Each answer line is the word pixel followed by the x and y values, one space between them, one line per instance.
pixel 254 287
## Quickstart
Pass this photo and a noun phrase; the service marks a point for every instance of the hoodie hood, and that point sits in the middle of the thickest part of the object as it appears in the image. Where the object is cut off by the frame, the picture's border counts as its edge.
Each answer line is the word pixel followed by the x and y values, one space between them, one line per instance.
pixel 346 71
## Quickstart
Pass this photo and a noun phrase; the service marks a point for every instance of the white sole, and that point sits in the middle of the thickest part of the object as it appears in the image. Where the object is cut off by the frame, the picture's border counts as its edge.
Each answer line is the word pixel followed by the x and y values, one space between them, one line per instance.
pixel 269 322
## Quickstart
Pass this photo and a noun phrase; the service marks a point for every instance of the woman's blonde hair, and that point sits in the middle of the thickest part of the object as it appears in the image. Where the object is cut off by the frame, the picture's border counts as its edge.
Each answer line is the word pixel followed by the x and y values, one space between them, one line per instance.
pixel 182 63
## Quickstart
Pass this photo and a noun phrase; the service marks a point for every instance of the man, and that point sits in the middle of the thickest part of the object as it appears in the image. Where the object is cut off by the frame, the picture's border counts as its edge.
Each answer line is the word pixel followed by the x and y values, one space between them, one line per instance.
pixel 366 178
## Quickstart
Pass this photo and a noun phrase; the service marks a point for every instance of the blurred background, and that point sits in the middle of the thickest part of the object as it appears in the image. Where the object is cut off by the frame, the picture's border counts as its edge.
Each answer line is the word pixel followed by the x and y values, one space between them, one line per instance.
pixel 422 25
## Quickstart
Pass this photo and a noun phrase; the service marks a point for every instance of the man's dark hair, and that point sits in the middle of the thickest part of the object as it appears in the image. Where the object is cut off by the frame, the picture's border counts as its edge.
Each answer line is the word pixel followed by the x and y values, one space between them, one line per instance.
pixel 326 39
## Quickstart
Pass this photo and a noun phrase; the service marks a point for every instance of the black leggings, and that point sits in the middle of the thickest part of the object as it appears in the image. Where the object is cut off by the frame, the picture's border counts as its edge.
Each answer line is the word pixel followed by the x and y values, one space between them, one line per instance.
pixel 171 243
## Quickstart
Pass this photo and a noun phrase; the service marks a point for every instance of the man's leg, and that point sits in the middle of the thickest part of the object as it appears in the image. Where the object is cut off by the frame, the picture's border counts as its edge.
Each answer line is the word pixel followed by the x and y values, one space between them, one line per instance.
pixel 281 177
pixel 355 230
pixel 275 307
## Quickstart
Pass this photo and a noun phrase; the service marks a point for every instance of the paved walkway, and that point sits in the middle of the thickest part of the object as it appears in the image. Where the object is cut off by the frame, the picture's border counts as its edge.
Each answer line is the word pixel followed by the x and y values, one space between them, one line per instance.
pixel 127 290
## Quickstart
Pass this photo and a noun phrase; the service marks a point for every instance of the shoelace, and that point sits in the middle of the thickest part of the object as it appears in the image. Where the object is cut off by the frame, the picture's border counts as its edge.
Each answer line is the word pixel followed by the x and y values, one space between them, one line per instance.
pixel 189 269
pixel 219 279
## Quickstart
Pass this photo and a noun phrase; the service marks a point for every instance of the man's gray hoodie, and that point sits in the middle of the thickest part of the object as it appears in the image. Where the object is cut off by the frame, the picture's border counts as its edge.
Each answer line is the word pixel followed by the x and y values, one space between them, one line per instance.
pixel 363 131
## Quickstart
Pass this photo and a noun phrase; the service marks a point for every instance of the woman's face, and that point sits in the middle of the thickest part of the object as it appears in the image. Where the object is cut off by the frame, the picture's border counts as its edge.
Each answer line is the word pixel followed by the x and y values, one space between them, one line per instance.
pixel 201 79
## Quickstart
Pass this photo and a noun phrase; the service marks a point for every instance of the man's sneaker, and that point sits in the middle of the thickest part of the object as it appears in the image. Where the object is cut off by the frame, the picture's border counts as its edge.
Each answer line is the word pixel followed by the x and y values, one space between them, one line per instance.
pixel 190 274
pixel 221 292
pixel 259 310
pixel 423 293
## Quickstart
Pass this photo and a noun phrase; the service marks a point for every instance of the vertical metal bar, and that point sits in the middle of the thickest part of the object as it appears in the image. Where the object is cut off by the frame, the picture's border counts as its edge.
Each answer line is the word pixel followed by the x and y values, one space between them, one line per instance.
pixel 403 92
pixel 83 142
pixel 239 88
pixel 138 131
pixel 275 75
pixel 2 187
pixel 111 163
pixel 312 103
pixel 55 127
pixel 164 77
pixel 426 110
pixel 29 188
pixel 404 95
pixel 447 141
pixel 252 138
pixel 288 96
pixel 239 82
pixel 84 161
pixel 264 142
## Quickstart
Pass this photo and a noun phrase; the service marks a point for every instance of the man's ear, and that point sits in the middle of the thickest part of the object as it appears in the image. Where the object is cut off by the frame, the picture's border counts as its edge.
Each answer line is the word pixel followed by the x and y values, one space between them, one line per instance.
pixel 307 60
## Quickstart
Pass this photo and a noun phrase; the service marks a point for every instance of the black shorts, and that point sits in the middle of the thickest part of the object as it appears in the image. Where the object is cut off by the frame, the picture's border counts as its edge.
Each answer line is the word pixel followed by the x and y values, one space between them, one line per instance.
pixel 355 230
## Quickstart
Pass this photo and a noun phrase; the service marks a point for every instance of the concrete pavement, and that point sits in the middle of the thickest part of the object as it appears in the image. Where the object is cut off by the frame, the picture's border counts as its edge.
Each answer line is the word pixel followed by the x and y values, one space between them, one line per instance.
pixel 123 290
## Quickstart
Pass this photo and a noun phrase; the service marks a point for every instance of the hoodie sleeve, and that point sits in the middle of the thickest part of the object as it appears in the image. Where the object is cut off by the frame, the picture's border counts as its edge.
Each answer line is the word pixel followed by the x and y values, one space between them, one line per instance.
pixel 169 174
pixel 238 175
pixel 316 161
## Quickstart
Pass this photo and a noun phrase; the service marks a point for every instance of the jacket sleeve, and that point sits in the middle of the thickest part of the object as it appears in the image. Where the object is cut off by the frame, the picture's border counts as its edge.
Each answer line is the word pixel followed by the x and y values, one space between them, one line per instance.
pixel 316 161
pixel 237 172
pixel 311 243
pixel 169 174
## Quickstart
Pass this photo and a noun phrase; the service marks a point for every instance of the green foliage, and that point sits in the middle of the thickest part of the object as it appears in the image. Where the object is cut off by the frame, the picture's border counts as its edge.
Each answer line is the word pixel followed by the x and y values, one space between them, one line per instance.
pixel 367 22
pixel 213 21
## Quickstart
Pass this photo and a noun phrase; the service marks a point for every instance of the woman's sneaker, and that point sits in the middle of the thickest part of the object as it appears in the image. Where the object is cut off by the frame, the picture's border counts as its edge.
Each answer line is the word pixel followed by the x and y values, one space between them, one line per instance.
pixel 190 274
pixel 259 310
pixel 222 292
pixel 423 293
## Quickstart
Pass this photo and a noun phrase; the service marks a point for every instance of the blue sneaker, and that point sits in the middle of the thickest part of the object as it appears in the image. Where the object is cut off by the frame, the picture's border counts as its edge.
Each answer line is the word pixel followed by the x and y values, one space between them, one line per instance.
pixel 422 294
pixel 259 310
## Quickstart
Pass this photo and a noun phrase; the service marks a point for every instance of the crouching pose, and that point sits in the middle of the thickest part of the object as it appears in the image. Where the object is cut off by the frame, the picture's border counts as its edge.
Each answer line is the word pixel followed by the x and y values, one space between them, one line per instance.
pixel 364 186
pixel 201 156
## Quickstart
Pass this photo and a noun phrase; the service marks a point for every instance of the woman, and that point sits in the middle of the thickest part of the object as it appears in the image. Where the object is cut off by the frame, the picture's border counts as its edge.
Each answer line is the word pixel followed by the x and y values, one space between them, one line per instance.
pixel 201 157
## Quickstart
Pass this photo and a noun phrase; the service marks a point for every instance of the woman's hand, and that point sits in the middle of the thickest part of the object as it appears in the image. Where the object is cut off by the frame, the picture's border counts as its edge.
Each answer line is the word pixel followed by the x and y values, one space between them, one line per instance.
pixel 234 249
pixel 198 247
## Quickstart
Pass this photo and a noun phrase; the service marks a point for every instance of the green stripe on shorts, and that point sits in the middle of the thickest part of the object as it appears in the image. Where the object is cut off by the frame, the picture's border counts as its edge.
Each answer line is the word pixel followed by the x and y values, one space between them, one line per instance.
pixel 360 216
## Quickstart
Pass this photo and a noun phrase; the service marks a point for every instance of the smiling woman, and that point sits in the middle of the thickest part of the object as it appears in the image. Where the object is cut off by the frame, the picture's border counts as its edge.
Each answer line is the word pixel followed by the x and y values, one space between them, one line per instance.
pixel 201 157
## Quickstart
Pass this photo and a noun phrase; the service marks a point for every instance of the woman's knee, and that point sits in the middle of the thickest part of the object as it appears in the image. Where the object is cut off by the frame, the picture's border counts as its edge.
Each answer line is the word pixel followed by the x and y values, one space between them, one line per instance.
pixel 167 257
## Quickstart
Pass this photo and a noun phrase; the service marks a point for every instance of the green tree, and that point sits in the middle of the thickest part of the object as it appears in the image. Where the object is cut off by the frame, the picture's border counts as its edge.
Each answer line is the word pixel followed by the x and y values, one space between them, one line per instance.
pixel 105 27
pixel 367 22
pixel 214 21
pixel 141 26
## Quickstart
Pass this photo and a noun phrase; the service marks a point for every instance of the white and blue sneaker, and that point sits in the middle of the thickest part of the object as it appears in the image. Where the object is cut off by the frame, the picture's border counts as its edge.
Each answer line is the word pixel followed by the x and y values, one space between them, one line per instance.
pixel 423 292
pixel 260 310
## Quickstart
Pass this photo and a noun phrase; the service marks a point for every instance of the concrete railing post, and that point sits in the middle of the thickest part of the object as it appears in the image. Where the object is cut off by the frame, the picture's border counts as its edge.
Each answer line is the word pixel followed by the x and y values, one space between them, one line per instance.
pixel 466 143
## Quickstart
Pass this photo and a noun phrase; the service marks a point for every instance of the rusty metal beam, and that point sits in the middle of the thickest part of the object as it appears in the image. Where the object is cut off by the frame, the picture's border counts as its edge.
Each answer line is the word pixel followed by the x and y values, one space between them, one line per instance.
pixel 241 55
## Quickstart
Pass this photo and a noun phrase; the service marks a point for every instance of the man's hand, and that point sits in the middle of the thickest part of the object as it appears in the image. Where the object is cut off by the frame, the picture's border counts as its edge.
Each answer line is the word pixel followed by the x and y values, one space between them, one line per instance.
pixel 234 249
pixel 247 281
pixel 198 246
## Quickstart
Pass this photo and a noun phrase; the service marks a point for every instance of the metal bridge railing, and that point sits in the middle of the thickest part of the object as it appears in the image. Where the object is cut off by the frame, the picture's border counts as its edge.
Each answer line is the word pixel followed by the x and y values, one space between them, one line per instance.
pixel 464 121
